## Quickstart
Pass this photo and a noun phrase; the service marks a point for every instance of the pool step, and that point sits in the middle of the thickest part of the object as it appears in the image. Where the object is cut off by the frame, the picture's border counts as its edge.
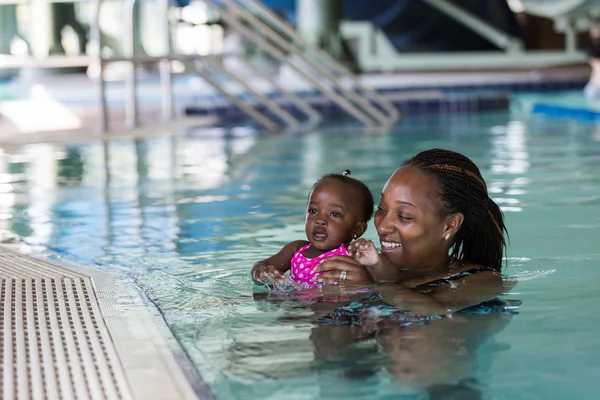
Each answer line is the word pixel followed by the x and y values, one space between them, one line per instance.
pixel 67 335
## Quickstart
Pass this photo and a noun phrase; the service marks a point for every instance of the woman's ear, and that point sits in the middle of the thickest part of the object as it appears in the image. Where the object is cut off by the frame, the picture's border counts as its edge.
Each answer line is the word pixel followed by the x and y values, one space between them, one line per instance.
pixel 359 230
pixel 453 223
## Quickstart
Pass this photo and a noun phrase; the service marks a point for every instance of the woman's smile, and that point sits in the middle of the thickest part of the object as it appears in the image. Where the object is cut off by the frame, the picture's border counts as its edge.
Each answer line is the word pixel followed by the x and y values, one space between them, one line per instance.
pixel 388 246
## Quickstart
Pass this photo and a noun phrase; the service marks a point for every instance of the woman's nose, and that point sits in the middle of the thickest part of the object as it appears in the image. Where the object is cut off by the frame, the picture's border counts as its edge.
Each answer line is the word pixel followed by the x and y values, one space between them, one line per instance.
pixel 383 226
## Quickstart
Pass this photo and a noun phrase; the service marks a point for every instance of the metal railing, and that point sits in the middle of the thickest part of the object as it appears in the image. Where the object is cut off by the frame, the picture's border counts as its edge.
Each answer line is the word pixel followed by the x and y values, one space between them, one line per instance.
pixel 281 41
pixel 276 38
pixel 324 58
pixel 198 65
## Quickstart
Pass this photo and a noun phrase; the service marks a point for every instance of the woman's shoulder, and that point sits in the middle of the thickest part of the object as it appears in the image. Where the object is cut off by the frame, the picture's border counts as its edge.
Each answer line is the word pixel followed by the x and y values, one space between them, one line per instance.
pixel 458 270
pixel 461 269
pixel 472 275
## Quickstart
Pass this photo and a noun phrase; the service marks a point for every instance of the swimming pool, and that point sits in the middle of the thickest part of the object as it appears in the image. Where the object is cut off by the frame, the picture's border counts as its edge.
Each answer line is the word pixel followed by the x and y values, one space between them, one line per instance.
pixel 186 215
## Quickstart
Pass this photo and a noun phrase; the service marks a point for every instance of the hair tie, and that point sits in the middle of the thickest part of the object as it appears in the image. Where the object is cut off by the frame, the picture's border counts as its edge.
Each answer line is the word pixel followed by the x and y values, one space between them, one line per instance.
pixel 346 172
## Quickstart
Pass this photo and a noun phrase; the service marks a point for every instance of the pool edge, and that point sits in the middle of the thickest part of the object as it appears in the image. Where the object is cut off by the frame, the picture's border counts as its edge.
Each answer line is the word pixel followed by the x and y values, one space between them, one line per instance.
pixel 150 359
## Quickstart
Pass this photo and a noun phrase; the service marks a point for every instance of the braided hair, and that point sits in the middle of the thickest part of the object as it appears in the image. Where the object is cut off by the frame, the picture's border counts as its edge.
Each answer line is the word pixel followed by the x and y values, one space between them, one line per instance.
pixel 367 203
pixel 481 237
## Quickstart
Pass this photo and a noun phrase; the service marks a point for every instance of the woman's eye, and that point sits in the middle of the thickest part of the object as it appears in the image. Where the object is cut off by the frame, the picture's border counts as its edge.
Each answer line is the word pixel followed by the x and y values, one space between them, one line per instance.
pixel 404 217
pixel 379 209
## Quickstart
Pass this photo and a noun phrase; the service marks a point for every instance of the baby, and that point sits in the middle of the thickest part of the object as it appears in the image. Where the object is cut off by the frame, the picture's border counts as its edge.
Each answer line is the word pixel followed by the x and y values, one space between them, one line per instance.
pixel 338 210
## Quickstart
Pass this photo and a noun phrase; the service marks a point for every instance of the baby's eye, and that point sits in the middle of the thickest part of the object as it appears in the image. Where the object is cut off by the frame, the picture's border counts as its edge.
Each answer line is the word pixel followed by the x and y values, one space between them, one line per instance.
pixel 335 214
pixel 312 211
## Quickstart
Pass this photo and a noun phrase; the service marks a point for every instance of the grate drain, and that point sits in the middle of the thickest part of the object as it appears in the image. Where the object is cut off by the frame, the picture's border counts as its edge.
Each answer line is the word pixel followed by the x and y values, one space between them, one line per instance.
pixel 54 341
pixel 63 335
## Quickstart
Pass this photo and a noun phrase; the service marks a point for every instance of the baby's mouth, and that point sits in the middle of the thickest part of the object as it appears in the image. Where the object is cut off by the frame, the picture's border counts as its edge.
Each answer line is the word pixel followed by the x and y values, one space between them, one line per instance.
pixel 319 235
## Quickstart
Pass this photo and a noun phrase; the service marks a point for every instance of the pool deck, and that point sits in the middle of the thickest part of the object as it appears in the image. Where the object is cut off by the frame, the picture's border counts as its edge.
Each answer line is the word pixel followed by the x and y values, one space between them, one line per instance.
pixel 73 333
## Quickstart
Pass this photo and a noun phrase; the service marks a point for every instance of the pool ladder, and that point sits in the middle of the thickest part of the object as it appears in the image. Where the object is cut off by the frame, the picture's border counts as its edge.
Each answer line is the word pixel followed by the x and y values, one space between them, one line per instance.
pixel 334 81
pixel 256 23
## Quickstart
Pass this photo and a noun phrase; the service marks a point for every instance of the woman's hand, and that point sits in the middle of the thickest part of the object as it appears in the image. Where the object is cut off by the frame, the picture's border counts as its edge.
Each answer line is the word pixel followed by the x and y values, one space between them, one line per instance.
pixel 365 252
pixel 267 273
pixel 341 270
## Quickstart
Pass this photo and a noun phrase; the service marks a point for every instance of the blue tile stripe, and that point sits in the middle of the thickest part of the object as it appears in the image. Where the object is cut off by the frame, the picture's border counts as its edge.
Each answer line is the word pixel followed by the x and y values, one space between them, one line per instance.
pixel 453 99
pixel 551 110
pixel 228 113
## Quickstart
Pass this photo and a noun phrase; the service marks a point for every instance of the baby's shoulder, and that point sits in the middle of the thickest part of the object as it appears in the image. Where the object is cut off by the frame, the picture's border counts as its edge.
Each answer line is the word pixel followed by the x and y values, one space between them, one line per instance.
pixel 297 245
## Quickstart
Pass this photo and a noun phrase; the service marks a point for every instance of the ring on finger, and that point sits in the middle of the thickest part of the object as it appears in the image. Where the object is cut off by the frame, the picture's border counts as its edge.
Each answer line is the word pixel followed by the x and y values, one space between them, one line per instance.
pixel 343 275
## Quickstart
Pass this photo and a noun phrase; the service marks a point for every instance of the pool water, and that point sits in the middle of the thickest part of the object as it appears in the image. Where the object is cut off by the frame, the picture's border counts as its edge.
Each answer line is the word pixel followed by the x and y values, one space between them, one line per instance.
pixel 186 215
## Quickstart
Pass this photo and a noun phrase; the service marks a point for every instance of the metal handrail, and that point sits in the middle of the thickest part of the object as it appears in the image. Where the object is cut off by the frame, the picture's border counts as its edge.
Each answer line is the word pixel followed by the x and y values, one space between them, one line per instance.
pixel 260 118
pixel 313 116
pixel 98 62
pixel 131 113
pixel 272 105
pixel 11 62
pixel 324 63
pixel 320 55
pixel 131 119
pixel 164 66
pixel 278 54
pixel 367 109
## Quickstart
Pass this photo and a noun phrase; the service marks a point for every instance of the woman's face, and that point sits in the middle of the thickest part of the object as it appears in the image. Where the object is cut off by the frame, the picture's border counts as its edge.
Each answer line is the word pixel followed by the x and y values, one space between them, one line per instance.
pixel 410 228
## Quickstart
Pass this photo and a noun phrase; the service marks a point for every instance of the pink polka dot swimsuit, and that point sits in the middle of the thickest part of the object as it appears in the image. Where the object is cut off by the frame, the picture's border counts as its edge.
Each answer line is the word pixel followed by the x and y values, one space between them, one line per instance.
pixel 301 267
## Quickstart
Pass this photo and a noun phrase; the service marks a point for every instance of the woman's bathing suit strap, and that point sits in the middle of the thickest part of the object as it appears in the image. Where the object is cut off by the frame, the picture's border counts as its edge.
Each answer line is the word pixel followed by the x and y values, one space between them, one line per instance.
pixel 451 278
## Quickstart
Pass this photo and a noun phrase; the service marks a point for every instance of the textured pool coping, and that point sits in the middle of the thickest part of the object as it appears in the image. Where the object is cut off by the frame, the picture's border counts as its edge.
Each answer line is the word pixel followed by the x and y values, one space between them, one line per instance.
pixel 71 333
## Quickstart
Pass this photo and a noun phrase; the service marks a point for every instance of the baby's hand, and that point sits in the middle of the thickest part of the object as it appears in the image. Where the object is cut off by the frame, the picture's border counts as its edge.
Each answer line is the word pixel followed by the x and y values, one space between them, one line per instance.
pixel 268 274
pixel 364 251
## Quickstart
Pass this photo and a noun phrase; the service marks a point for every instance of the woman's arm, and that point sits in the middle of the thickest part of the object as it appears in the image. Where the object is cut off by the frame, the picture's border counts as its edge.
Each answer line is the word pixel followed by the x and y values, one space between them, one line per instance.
pixel 463 293
pixel 384 271
pixel 272 269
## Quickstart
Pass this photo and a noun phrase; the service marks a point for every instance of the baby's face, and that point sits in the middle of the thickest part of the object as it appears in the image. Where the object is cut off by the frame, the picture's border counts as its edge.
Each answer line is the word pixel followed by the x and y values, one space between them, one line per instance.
pixel 332 214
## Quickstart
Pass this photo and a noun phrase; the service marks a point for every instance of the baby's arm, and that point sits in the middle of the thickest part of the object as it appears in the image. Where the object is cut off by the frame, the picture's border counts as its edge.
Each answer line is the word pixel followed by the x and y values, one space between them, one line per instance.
pixel 378 266
pixel 272 269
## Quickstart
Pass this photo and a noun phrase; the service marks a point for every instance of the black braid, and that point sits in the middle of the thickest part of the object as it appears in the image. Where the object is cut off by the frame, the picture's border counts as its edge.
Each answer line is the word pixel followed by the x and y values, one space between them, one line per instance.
pixel 367 203
pixel 480 238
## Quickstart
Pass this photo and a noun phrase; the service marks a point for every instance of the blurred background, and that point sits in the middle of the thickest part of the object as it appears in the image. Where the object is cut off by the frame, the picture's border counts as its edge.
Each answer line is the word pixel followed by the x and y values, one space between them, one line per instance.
pixel 89 67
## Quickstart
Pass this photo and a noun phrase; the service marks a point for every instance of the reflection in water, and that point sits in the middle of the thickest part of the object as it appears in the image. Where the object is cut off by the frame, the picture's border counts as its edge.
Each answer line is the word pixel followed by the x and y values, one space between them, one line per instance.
pixel 7 194
pixel 42 180
pixel 70 167
pixel 510 149
pixel 510 158
pixel 437 358
pixel 441 356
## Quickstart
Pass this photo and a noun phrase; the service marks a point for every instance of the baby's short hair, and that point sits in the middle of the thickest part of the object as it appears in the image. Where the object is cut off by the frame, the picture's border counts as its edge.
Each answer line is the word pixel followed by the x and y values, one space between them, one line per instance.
pixel 366 197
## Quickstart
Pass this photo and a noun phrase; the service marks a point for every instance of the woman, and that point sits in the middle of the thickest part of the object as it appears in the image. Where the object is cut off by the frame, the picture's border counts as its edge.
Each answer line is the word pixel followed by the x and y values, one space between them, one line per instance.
pixel 592 88
pixel 440 234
